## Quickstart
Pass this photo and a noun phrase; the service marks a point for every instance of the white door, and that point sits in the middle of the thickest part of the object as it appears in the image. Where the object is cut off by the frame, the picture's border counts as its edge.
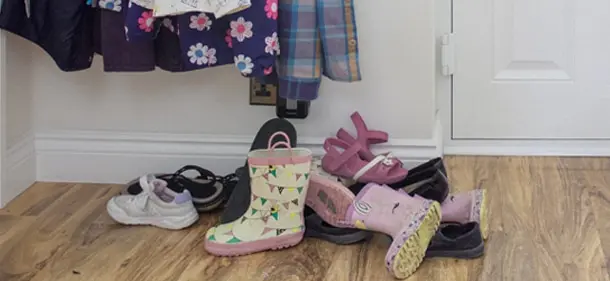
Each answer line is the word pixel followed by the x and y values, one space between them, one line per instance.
pixel 531 69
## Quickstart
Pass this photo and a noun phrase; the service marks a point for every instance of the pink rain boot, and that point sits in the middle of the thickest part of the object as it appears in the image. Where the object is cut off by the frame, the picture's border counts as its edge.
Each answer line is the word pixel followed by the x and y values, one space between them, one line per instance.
pixel 467 206
pixel 365 138
pixel 412 222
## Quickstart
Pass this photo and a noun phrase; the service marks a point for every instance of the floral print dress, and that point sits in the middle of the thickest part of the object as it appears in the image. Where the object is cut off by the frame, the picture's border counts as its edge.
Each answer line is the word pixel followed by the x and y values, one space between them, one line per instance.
pixel 247 38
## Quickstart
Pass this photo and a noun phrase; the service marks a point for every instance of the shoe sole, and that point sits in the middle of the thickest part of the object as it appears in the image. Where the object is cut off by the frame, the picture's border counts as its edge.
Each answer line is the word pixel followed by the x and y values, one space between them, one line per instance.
pixel 484 223
pixel 201 207
pixel 344 239
pixel 246 248
pixel 473 253
pixel 173 223
pixel 330 200
pixel 404 262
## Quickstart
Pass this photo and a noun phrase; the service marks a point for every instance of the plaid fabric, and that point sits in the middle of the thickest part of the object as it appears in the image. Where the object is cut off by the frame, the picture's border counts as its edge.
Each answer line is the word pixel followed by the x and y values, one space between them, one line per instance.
pixel 316 37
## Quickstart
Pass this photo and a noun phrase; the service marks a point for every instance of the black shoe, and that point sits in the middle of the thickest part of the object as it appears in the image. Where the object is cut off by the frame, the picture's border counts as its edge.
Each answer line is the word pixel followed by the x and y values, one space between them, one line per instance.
pixel 208 190
pixel 453 240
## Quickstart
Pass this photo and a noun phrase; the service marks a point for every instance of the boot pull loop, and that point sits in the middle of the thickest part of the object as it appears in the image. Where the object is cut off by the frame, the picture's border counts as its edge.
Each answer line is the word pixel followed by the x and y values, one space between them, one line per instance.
pixel 285 143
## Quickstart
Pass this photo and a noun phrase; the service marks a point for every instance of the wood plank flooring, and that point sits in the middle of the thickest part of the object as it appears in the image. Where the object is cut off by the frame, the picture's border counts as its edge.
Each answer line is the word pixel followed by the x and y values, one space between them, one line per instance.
pixel 550 221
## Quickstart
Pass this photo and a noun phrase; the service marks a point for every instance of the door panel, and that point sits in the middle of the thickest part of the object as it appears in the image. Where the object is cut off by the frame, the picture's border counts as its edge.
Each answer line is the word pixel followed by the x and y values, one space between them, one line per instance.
pixel 531 69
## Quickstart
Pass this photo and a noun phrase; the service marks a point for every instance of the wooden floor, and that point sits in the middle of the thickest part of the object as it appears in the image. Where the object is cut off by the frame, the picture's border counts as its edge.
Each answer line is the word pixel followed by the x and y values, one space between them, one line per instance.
pixel 550 221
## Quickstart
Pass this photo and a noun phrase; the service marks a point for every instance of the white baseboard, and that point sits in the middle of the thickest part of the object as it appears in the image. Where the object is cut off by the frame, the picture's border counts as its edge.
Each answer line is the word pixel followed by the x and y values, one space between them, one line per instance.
pixel 117 157
pixel 20 172
pixel 528 147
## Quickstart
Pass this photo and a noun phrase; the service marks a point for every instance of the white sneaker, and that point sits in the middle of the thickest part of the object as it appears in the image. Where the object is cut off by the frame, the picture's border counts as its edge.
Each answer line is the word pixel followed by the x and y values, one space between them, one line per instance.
pixel 156 205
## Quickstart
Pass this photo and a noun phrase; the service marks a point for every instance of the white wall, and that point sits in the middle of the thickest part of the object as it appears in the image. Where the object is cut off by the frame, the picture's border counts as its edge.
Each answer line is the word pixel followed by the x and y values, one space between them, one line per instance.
pixel 96 126
pixel 17 158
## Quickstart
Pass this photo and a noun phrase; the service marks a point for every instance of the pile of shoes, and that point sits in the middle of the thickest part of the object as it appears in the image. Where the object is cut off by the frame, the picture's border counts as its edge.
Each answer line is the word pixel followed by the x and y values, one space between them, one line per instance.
pixel 283 194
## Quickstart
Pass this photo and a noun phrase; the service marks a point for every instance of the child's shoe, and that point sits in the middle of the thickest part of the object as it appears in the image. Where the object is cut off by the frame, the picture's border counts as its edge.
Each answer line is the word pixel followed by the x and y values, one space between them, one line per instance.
pixel 156 205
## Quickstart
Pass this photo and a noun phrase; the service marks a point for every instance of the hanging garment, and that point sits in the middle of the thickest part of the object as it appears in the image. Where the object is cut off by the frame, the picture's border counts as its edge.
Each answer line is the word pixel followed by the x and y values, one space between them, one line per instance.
pixel 167 47
pixel 316 37
pixel 97 31
pixel 63 28
pixel 219 8
pixel 202 41
pixel 119 54
pixel 247 38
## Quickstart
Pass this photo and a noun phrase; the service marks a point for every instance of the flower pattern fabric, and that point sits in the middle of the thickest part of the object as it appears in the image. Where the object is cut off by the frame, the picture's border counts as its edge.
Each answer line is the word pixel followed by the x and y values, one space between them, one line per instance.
pixel 146 21
pixel 271 9
pixel 140 23
pixel 244 64
pixel 247 39
pixel 241 29
pixel 113 5
pixel 200 22
pixel 228 39
pixel 273 45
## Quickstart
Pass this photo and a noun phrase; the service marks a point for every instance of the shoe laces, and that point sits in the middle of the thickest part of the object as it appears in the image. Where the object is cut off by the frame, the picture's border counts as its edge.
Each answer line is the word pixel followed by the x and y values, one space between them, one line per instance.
pixel 139 201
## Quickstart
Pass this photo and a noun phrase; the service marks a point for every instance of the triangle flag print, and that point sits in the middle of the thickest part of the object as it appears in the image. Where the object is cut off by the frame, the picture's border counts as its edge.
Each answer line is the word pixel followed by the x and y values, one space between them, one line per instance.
pixel 298 176
pixel 280 189
pixel 295 201
pixel 263 201
pixel 306 175
pixel 300 189
pixel 234 240
pixel 243 219
pixel 271 187
pixel 267 230
pixel 286 205
pixel 266 176
pixel 254 211
pixel 254 197
pixel 253 170
pixel 279 231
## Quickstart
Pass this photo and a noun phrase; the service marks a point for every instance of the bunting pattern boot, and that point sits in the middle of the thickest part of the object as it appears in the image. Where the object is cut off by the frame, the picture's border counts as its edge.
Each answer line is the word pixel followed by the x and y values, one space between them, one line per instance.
pixel 279 179
pixel 411 221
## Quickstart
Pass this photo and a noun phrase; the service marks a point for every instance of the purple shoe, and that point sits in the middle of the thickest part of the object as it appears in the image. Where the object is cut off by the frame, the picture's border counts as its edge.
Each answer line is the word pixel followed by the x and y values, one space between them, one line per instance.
pixel 412 222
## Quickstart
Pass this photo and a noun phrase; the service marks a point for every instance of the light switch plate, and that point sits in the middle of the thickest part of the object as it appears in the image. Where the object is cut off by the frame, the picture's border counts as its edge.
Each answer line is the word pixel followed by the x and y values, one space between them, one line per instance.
pixel 262 94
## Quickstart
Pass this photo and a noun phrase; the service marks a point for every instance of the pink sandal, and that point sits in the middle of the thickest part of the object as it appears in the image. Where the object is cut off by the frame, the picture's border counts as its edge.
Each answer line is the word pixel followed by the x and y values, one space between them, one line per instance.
pixel 365 138
pixel 348 164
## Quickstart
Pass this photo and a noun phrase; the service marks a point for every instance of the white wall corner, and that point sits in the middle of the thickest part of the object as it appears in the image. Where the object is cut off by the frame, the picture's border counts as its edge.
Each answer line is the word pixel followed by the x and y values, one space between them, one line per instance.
pixel 117 157
pixel 20 172
pixel 17 162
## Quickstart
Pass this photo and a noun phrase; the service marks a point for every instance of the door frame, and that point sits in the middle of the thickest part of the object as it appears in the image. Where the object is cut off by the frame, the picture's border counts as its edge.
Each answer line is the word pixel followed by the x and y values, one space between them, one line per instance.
pixel 497 147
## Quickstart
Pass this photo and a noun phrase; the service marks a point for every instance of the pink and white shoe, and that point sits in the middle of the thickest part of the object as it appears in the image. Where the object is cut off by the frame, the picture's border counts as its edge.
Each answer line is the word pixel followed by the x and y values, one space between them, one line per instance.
pixel 348 164
pixel 365 138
